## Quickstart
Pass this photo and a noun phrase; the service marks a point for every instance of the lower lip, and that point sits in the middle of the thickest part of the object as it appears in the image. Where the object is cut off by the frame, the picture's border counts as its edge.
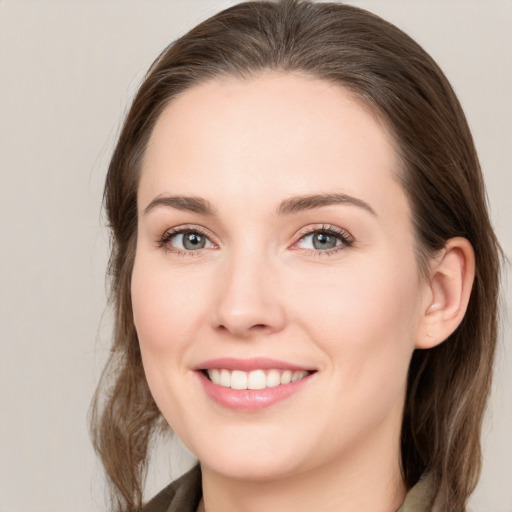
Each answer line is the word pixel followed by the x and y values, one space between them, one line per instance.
pixel 250 399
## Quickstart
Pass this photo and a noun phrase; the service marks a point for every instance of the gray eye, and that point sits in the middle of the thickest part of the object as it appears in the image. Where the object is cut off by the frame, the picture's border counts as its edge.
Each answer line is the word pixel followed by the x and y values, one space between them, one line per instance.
pixel 321 241
pixel 193 241
pixel 324 241
pixel 190 241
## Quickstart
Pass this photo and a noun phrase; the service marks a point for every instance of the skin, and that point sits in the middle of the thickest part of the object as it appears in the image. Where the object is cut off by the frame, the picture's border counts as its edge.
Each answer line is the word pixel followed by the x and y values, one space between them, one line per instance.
pixel 259 289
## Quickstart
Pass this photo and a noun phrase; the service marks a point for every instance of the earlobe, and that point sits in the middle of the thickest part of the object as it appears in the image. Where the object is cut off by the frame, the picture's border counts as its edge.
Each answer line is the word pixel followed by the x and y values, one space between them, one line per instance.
pixel 449 290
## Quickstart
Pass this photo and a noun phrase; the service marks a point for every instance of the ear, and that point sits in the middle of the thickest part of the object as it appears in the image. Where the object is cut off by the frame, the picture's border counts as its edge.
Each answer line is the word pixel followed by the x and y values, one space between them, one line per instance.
pixel 447 292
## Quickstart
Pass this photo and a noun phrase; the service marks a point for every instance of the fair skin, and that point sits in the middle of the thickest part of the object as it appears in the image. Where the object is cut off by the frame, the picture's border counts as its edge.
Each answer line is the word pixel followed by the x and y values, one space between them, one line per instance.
pixel 330 286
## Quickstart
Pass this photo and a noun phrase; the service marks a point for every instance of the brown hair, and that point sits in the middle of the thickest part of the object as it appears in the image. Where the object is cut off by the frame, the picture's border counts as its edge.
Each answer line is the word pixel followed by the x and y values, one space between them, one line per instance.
pixel 448 385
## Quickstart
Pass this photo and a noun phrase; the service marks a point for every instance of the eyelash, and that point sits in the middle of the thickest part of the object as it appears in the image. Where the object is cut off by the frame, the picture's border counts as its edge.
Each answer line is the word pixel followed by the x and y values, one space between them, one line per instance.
pixel 164 241
pixel 345 238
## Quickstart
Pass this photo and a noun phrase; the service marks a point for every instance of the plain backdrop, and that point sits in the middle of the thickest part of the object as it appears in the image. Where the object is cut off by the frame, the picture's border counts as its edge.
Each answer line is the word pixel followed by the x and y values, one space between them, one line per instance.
pixel 68 71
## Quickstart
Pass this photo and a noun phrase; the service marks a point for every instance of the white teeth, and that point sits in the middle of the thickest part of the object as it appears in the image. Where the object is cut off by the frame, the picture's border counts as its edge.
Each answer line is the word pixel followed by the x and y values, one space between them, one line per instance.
pixel 225 379
pixel 214 375
pixel 286 377
pixel 238 380
pixel 297 376
pixel 257 379
pixel 273 378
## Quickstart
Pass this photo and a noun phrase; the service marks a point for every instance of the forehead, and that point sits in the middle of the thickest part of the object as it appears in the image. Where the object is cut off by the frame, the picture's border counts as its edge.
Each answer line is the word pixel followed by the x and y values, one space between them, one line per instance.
pixel 276 133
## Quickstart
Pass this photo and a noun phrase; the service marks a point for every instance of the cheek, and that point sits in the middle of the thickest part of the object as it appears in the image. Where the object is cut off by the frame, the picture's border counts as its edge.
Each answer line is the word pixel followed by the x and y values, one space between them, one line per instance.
pixel 166 306
pixel 362 314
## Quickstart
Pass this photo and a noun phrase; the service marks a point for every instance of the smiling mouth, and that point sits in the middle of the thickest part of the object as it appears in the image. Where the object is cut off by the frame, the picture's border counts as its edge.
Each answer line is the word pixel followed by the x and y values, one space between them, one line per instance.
pixel 251 385
pixel 255 379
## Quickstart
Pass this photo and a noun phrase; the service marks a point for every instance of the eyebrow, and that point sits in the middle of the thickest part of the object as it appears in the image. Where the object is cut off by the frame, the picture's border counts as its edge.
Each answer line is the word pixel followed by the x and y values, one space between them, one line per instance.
pixel 309 202
pixel 185 203
pixel 286 207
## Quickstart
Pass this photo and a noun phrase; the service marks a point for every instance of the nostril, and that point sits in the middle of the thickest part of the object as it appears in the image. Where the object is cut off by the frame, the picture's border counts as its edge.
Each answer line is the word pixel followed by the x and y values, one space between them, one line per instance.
pixel 256 327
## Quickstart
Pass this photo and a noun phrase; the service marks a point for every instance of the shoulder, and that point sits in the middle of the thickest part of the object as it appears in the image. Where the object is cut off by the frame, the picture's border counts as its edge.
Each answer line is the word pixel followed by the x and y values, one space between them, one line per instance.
pixel 182 495
pixel 421 498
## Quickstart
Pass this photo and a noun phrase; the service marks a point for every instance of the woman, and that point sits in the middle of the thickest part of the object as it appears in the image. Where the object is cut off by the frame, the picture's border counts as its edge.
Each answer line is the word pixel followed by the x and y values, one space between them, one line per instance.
pixel 303 270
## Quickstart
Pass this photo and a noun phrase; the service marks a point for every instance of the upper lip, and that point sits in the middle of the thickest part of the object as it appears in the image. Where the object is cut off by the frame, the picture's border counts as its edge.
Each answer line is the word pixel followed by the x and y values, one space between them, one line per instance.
pixel 247 365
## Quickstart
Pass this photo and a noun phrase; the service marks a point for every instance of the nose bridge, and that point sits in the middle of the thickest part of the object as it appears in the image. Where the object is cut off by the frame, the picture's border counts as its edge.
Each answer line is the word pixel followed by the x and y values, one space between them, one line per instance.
pixel 248 298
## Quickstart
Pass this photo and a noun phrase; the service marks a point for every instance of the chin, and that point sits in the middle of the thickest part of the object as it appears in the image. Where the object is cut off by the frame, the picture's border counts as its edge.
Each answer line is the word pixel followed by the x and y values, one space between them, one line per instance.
pixel 255 470
pixel 251 461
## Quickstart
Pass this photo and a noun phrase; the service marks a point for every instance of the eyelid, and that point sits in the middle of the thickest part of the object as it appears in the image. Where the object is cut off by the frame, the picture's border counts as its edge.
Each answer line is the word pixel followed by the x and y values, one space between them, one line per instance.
pixel 347 240
pixel 168 234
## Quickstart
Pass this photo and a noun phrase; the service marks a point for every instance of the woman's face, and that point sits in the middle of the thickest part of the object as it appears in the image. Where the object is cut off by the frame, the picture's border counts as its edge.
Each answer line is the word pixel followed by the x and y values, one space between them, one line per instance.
pixel 275 243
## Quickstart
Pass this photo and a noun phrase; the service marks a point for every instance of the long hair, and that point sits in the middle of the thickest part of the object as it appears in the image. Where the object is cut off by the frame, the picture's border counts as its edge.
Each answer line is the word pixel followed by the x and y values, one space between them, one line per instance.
pixel 394 77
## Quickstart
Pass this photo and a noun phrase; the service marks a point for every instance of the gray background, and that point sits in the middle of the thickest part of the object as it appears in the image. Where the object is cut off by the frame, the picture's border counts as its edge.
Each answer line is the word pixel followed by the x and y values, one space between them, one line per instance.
pixel 69 68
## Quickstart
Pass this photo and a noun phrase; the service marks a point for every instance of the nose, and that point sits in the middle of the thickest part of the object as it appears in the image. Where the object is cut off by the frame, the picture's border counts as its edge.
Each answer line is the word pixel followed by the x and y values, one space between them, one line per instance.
pixel 248 299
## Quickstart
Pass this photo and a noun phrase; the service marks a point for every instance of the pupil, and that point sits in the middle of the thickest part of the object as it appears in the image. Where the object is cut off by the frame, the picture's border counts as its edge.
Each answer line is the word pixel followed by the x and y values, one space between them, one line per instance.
pixel 323 241
pixel 193 241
